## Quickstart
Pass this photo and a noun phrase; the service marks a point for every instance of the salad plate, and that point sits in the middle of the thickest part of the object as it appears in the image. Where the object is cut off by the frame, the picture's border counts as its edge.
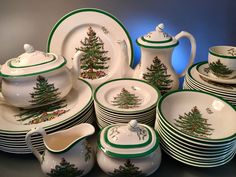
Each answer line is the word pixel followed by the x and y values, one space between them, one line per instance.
pixel 204 71
pixel 92 31
pixel 126 96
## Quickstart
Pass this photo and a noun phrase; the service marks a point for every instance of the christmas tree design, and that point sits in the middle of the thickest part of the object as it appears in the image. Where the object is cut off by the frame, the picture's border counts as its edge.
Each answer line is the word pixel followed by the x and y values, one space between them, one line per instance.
pixel 126 100
pixel 46 98
pixel 128 170
pixel 219 69
pixel 157 76
pixel 94 61
pixel 65 169
pixel 194 124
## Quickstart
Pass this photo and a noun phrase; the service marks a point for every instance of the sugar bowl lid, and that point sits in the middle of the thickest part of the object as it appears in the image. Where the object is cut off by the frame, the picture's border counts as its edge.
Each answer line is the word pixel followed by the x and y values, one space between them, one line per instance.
pixel 157 39
pixel 129 140
pixel 32 62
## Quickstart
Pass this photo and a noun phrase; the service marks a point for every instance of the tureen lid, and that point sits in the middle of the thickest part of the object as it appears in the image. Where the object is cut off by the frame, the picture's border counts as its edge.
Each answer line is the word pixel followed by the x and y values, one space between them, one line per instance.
pixel 32 62
pixel 157 39
pixel 128 140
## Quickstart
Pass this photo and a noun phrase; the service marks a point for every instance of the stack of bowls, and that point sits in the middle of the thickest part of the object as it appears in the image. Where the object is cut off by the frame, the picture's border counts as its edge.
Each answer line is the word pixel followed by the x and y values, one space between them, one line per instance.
pixel 122 100
pixel 217 75
pixel 196 128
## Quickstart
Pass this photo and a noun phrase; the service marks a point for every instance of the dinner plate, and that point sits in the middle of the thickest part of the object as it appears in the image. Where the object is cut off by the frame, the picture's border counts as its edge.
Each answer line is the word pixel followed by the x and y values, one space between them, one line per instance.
pixel 79 98
pixel 73 29
pixel 203 70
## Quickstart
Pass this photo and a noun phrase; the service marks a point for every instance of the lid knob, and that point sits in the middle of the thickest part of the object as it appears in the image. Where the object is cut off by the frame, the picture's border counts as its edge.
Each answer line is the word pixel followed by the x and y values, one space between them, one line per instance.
pixel 160 27
pixel 28 48
pixel 133 125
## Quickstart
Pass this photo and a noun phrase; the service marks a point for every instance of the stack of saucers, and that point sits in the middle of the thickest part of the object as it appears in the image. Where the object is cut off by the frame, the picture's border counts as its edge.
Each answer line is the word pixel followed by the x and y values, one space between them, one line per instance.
pixel 79 109
pixel 198 78
pixel 197 128
pixel 122 100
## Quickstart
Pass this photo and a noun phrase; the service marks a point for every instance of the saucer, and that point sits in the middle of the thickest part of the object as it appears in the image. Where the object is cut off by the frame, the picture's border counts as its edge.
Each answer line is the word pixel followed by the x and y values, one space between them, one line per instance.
pixel 204 71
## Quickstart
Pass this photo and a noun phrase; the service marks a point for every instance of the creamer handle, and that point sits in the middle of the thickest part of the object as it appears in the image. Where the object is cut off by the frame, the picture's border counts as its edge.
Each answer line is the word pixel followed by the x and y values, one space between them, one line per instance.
pixel 193 49
pixel 34 131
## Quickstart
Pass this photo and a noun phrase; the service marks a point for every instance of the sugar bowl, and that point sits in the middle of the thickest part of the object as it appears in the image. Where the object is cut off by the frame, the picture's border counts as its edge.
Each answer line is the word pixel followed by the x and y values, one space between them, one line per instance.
pixel 131 149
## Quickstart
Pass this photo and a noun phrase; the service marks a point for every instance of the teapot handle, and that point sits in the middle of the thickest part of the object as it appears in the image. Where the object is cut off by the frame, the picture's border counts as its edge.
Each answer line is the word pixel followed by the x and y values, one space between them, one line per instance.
pixel 35 131
pixel 76 63
pixel 2 100
pixel 193 49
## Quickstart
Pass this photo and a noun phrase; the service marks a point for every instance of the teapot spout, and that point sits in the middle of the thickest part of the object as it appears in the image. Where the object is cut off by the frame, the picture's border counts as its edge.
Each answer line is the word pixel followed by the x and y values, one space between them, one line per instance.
pixel 126 71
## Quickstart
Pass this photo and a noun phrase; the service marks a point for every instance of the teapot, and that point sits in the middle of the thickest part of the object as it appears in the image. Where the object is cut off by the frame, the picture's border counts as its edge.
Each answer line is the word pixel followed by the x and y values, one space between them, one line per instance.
pixel 130 149
pixel 67 152
pixel 35 78
pixel 155 64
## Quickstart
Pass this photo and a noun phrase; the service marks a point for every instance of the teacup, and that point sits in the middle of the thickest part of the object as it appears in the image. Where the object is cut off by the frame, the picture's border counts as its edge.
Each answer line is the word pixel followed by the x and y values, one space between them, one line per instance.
pixel 222 61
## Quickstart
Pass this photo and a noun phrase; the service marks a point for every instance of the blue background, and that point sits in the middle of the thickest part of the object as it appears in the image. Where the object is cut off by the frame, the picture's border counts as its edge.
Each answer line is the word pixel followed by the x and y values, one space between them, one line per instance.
pixel 210 22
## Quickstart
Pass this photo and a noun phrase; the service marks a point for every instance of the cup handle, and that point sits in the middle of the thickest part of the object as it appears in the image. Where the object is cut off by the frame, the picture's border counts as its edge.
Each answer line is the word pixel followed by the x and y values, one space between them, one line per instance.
pixel 35 131
pixel 193 49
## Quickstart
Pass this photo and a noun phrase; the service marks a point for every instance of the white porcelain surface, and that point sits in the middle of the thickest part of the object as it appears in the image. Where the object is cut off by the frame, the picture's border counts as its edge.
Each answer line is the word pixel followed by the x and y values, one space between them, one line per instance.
pixel 147 165
pixel 147 94
pixel 219 114
pixel 81 110
pixel 157 47
pixel 67 146
pixel 73 28
pixel 23 75
pixel 129 143
pixel 77 100
pixel 203 70
pixel 225 55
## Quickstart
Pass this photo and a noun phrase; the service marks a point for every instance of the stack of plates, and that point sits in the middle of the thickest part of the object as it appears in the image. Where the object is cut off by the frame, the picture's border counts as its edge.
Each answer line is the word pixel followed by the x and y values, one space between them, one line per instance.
pixel 196 128
pixel 79 109
pixel 122 100
pixel 197 78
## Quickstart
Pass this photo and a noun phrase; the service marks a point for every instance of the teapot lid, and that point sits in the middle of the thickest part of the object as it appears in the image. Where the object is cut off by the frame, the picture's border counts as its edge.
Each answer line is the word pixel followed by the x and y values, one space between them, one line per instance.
pixel 157 39
pixel 128 140
pixel 32 62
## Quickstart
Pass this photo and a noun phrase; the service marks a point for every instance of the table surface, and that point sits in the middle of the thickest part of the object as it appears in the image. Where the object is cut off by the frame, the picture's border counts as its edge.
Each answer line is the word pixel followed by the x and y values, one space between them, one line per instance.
pixel 15 165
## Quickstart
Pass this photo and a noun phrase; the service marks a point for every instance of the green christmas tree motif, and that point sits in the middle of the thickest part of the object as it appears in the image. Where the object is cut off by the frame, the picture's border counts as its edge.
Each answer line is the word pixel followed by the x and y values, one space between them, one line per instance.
pixel 94 61
pixel 128 170
pixel 157 76
pixel 126 100
pixel 65 169
pixel 219 69
pixel 46 98
pixel 193 123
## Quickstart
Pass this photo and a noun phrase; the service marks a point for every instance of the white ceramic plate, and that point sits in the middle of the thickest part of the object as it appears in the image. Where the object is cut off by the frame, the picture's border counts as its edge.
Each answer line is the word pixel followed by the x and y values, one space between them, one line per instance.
pixel 193 74
pixel 107 93
pixel 79 98
pixel 217 113
pixel 73 28
pixel 203 70
pixel 194 148
pixel 229 97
